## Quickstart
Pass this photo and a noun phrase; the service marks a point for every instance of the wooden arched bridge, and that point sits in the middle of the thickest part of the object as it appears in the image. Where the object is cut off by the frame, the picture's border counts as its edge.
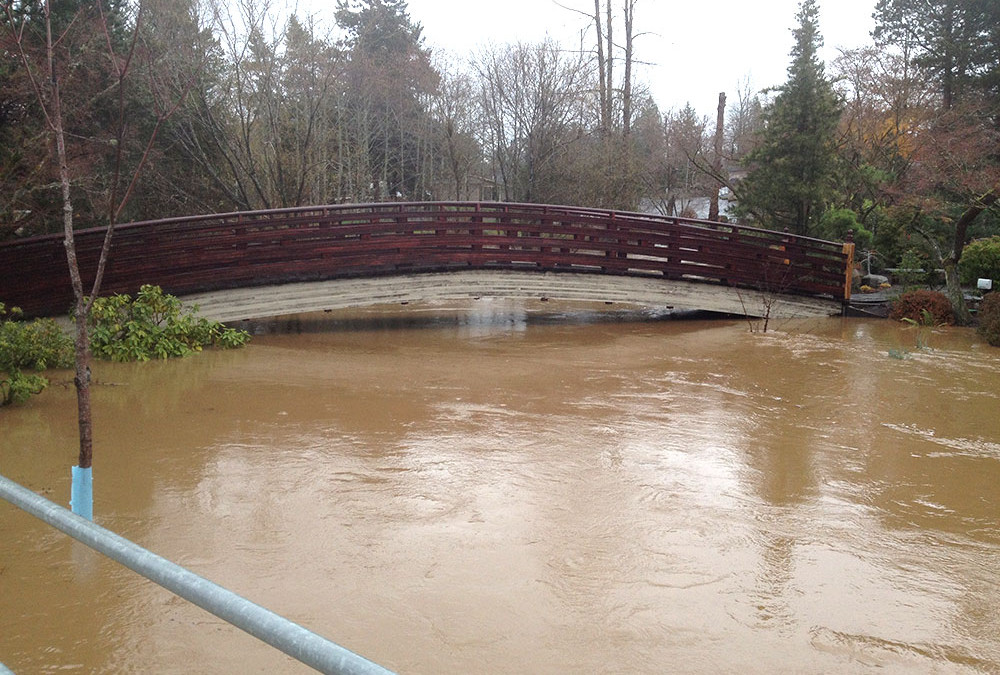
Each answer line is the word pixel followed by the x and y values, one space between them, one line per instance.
pixel 268 263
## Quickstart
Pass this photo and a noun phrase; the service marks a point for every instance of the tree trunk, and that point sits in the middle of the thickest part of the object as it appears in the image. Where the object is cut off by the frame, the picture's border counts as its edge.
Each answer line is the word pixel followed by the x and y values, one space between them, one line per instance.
pixel 82 382
pixel 627 84
pixel 603 85
pixel 82 343
pixel 713 205
pixel 955 294
pixel 950 262
pixel 610 65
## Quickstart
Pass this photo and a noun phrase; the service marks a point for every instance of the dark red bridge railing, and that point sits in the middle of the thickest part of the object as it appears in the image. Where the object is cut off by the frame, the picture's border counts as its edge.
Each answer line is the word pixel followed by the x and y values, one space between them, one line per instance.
pixel 195 254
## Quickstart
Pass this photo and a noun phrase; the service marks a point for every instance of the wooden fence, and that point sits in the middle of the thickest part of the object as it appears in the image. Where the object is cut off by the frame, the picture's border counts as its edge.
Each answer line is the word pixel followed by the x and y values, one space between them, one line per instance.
pixel 213 252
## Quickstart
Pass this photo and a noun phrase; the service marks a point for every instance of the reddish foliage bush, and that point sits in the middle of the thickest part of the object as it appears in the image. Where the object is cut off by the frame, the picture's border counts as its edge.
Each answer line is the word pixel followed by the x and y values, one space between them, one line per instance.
pixel 989 319
pixel 912 304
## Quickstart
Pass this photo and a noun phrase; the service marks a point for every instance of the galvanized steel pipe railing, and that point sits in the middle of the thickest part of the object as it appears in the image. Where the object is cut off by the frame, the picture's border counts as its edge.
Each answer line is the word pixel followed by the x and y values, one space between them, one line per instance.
pixel 277 631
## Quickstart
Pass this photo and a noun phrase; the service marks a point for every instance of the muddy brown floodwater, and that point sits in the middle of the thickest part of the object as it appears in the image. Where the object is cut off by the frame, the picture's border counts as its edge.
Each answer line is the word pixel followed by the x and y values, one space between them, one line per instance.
pixel 486 490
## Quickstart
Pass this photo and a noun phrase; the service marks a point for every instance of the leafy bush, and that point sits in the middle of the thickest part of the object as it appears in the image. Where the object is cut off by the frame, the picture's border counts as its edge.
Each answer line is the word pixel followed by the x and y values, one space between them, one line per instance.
pixel 923 307
pixel 153 326
pixel 35 345
pixel 980 260
pixel 989 318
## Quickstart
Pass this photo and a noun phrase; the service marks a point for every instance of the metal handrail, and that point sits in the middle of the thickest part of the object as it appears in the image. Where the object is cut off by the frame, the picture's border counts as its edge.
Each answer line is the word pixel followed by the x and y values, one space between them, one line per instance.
pixel 277 631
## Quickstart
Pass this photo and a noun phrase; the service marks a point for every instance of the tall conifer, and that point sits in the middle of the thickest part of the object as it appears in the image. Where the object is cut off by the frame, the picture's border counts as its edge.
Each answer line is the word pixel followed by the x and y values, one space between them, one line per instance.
pixel 791 171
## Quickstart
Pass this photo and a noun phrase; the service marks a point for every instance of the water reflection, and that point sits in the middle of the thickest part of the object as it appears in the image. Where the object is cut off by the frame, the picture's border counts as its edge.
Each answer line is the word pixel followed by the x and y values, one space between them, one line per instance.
pixel 483 316
pixel 495 489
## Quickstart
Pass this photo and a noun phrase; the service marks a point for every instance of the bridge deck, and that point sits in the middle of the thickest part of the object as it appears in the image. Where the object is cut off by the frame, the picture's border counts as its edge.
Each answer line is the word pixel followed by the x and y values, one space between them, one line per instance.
pixel 404 241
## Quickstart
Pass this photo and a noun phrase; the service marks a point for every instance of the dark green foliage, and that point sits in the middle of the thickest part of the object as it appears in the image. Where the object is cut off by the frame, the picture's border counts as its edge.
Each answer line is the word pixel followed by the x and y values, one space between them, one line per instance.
pixel 836 223
pixel 989 319
pixel 36 345
pixel 954 41
pixel 29 204
pixel 923 307
pixel 153 326
pixel 792 170
pixel 980 260
pixel 381 30
pixel 390 70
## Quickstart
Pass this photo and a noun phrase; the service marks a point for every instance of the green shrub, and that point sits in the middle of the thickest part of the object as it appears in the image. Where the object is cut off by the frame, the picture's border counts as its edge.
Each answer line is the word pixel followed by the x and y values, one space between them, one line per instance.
pixel 18 387
pixel 836 223
pixel 36 345
pixel 989 318
pixel 153 326
pixel 980 260
pixel 923 307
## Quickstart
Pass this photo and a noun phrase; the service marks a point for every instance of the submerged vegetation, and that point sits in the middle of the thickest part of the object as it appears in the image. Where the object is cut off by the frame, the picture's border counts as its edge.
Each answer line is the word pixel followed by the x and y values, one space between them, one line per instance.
pixel 29 346
pixel 153 325
pixel 923 307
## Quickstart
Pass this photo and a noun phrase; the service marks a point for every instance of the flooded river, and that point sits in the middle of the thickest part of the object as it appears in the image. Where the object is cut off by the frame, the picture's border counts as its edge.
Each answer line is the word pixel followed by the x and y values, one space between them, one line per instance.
pixel 487 490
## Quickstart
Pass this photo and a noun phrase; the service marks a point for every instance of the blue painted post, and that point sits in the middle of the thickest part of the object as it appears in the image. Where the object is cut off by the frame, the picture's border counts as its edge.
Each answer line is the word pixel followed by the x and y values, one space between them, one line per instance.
pixel 81 496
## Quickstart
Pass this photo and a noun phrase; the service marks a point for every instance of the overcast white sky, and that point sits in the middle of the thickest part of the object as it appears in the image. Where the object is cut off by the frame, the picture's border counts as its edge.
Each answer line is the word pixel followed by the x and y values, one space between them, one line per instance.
pixel 697 48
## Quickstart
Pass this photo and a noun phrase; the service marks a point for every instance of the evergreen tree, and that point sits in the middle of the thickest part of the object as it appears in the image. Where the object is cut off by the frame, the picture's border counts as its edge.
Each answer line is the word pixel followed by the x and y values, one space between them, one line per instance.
pixel 954 41
pixel 791 171
pixel 388 77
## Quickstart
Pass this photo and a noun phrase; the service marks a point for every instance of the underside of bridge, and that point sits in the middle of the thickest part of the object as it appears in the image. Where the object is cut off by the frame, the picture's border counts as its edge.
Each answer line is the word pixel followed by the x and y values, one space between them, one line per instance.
pixel 262 302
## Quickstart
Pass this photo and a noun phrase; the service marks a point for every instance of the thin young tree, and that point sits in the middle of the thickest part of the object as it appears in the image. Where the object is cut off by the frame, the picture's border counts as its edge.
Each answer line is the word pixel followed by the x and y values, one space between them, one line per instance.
pixel 41 50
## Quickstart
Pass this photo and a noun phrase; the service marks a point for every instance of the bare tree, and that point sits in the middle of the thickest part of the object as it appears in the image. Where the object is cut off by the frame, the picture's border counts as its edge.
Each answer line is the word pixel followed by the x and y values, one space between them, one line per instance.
pixel 533 106
pixel 453 109
pixel 45 68
pixel 615 101
pixel 743 121
pixel 603 63
pixel 886 101
pixel 686 145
